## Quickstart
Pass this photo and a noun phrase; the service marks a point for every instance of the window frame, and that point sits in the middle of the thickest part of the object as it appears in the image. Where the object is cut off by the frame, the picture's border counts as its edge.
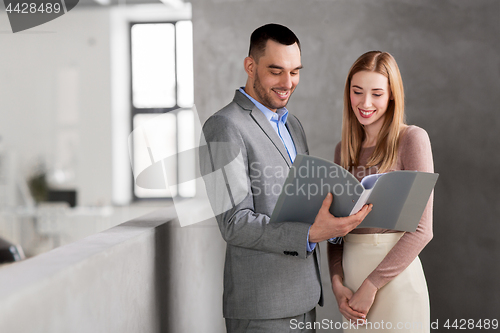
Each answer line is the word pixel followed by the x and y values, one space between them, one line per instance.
pixel 135 111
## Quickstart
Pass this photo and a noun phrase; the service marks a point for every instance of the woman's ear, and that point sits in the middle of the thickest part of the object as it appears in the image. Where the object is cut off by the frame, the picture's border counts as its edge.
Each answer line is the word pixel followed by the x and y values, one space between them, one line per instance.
pixel 249 65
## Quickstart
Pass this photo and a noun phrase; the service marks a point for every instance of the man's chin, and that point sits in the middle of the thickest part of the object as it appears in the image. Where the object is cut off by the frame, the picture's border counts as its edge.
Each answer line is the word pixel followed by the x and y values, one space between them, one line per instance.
pixel 280 104
pixel 273 103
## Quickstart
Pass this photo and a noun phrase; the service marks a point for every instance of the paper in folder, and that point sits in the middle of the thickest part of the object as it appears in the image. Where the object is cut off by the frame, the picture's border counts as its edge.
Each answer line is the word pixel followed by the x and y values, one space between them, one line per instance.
pixel 398 197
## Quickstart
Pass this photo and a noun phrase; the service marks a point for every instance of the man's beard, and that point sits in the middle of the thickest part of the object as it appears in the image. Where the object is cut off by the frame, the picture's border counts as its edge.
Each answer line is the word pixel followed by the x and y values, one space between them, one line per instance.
pixel 265 97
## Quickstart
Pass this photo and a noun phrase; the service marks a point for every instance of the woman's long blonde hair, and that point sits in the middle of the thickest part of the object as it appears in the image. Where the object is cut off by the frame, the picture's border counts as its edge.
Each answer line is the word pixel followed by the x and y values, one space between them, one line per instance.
pixel 353 134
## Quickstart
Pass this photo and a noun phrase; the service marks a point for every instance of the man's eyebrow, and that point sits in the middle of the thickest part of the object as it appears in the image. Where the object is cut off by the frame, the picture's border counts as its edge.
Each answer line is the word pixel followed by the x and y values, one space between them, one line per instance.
pixel 281 68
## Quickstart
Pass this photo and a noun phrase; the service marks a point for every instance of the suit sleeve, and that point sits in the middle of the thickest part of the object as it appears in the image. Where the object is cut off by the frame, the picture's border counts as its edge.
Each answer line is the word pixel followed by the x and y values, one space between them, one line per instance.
pixel 225 169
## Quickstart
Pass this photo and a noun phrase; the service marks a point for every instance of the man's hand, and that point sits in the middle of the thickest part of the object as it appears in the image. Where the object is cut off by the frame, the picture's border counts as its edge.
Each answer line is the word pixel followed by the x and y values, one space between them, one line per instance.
pixel 327 226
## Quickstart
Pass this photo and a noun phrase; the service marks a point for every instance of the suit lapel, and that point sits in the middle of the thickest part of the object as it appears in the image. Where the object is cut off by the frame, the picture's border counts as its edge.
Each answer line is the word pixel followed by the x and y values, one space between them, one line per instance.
pixel 268 130
pixel 266 127
pixel 295 134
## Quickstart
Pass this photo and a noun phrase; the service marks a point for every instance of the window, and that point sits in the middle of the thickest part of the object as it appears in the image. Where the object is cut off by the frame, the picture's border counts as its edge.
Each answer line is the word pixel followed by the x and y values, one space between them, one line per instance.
pixel 162 102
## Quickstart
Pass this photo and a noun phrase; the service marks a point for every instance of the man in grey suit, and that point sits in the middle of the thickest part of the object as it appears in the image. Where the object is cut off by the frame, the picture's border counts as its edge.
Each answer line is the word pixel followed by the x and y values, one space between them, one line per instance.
pixel 272 270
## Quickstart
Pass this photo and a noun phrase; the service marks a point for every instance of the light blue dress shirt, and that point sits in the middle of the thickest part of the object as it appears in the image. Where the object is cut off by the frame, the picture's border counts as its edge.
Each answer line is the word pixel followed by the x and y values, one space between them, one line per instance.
pixel 278 121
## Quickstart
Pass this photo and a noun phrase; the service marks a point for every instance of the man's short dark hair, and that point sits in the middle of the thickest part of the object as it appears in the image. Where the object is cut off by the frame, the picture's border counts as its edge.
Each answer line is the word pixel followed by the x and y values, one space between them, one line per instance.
pixel 274 32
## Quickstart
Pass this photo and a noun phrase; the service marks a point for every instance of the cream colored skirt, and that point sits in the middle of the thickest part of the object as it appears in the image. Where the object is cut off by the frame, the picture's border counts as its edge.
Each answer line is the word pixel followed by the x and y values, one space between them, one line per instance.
pixel 402 305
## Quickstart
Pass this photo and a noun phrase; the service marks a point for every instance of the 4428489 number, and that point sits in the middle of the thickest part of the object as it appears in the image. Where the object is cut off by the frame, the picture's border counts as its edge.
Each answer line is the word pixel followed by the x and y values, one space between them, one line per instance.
pixel 469 324
pixel 33 8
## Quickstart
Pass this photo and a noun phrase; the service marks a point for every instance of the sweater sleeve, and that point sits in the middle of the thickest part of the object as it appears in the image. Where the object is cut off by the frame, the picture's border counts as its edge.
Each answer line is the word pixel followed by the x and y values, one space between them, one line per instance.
pixel 415 154
pixel 335 251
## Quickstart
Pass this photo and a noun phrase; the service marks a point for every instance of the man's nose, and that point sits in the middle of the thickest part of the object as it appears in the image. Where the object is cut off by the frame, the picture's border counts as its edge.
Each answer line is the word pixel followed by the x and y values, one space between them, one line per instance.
pixel 286 81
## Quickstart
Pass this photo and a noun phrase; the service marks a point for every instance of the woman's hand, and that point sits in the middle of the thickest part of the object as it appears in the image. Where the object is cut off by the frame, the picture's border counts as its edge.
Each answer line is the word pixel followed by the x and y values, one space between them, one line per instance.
pixel 343 295
pixel 363 298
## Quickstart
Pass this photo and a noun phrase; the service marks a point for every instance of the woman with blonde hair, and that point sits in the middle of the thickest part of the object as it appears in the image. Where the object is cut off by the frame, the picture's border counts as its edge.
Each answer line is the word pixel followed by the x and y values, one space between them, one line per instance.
pixel 376 275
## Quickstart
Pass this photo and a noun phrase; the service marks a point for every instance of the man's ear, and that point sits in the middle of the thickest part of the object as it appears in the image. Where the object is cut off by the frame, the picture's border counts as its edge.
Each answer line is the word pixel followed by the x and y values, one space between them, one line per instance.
pixel 250 66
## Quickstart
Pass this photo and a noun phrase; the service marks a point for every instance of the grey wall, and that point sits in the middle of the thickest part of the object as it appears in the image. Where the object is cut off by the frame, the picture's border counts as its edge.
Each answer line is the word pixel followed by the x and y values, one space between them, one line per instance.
pixel 115 281
pixel 145 275
pixel 448 56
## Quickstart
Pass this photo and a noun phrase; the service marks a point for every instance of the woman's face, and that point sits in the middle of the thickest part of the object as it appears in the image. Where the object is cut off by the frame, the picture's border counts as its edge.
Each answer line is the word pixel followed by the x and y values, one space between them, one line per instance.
pixel 370 94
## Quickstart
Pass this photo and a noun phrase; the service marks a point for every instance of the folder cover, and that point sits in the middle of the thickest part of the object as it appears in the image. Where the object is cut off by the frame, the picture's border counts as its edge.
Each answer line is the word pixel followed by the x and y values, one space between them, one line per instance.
pixel 398 197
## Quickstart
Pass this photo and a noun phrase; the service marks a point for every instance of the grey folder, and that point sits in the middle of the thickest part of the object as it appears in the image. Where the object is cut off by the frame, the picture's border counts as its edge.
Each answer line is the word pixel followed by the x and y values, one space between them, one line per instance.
pixel 398 197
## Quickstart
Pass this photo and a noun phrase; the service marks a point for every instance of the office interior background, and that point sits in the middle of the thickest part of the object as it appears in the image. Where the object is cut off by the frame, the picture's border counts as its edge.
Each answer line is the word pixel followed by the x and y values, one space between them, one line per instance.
pixel 68 104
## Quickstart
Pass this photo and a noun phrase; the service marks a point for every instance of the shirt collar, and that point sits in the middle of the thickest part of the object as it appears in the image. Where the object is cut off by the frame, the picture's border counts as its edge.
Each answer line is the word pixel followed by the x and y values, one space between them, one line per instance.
pixel 281 114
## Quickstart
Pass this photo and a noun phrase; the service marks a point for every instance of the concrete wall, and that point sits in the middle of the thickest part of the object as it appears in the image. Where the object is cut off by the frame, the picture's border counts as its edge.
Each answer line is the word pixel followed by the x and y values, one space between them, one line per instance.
pixel 448 56
pixel 146 275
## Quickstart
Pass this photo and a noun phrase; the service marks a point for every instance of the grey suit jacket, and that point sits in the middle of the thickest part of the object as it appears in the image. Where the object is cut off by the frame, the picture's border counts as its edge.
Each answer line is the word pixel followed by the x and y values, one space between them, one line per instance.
pixel 268 272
